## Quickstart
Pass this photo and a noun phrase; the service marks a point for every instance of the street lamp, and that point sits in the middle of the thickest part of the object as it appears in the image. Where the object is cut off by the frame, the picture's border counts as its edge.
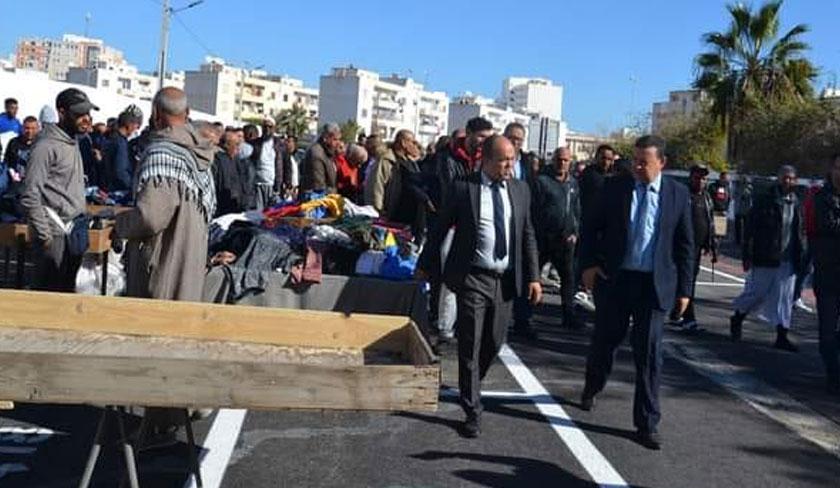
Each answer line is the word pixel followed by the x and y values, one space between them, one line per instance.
pixel 164 35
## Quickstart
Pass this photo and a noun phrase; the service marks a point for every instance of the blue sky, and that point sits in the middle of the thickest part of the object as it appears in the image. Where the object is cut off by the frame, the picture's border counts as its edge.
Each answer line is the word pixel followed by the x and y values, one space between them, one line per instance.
pixel 592 47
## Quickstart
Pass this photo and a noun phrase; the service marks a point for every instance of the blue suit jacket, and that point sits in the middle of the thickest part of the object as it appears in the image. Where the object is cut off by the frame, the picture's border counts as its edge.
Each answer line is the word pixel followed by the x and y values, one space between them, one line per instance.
pixel 604 237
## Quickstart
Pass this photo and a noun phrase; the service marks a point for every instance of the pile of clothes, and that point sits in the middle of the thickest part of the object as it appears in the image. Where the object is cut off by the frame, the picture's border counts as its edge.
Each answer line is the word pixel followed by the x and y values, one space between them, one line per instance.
pixel 305 239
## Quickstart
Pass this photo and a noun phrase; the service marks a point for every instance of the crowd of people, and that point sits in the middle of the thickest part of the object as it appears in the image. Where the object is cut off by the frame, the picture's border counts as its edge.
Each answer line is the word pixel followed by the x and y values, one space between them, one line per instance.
pixel 487 214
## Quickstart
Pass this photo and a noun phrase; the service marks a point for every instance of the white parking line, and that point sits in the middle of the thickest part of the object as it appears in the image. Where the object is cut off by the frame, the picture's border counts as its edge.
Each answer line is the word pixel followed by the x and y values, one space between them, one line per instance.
pixel 719 285
pixel 771 402
pixel 219 446
pixel 724 275
pixel 598 467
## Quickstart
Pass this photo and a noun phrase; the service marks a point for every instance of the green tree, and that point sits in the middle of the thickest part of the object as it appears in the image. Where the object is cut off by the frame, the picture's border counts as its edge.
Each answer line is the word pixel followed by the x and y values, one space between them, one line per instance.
pixel 293 121
pixel 349 131
pixel 695 139
pixel 750 65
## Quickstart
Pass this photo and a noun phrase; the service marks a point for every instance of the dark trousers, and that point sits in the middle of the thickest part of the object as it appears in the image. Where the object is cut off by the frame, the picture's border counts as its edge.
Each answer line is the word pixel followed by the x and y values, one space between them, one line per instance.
pixel 689 312
pixel 485 303
pixel 828 314
pixel 628 295
pixel 563 260
pixel 55 269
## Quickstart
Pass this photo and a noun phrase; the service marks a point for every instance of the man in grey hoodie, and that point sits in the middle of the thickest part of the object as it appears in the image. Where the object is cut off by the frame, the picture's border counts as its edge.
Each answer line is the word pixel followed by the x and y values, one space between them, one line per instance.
pixel 54 190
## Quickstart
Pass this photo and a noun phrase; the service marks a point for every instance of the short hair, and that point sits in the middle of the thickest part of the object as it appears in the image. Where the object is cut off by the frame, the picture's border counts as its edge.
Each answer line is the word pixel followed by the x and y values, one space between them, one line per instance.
pixel 786 169
pixel 514 125
pixel 291 137
pixel 30 118
pixel 645 142
pixel 604 147
pixel 330 128
pixel 171 101
pixel 723 173
pixel 251 132
pixel 10 100
pixel 488 145
pixel 126 118
pixel 359 151
pixel 478 124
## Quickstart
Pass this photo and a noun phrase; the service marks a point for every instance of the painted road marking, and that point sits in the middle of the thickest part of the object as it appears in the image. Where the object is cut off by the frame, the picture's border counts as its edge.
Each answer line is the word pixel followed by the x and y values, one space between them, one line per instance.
pixel 771 402
pixel 723 275
pixel 218 447
pixel 599 469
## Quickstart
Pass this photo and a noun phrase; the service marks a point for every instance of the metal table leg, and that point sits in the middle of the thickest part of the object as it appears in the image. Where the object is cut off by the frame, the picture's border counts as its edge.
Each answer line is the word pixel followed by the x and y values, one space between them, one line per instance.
pixel 196 468
pixel 128 450
pixel 105 273
pixel 7 254
pixel 21 262
pixel 94 450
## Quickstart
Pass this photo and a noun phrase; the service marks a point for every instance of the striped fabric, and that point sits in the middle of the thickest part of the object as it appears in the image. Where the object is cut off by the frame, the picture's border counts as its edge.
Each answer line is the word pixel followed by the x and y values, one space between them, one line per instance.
pixel 167 160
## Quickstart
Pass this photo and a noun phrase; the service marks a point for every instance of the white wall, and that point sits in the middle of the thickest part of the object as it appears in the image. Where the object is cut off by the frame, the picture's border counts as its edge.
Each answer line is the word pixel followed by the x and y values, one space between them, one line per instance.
pixel 34 89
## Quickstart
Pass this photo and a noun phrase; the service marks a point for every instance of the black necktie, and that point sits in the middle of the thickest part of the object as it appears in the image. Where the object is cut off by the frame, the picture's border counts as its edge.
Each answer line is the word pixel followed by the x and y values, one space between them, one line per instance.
pixel 500 249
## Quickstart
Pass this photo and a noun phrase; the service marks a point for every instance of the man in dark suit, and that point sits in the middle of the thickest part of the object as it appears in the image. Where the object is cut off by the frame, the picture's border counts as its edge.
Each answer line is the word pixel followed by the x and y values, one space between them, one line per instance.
pixel 637 254
pixel 492 260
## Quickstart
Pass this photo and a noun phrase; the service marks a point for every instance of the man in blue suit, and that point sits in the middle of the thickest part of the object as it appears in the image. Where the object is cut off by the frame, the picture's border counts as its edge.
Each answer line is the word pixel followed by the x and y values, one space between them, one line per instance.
pixel 637 254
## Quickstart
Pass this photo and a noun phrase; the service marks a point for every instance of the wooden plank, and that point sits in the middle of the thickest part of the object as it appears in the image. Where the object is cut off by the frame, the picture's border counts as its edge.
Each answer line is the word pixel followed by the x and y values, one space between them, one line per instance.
pixel 98 344
pixel 417 348
pixel 117 209
pixel 59 378
pixel 131 316
pixel 12 235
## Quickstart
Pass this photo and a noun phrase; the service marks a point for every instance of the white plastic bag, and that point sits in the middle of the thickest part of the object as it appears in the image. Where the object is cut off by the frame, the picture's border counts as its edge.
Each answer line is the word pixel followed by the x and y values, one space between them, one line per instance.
pixel 89 277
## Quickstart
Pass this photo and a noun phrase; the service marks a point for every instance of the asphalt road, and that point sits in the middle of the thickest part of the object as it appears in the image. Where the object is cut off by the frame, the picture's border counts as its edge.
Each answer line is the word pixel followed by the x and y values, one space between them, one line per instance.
pixel 740 415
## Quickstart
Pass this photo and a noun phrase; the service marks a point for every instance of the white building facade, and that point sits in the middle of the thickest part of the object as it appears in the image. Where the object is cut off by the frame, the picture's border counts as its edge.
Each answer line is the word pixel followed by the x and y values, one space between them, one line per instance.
pixel 534 96
pixel 383 105
pixel 233 93
pixel 468 106
pixel 123 79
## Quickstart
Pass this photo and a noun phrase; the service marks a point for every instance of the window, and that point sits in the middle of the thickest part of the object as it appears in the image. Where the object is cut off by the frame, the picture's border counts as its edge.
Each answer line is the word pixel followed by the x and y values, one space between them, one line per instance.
pixel 364 113
pixel 286 97
pixel 105 84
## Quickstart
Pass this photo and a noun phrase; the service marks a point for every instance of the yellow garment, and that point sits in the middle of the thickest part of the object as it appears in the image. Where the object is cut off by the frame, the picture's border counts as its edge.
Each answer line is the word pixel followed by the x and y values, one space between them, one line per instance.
pixel 333 203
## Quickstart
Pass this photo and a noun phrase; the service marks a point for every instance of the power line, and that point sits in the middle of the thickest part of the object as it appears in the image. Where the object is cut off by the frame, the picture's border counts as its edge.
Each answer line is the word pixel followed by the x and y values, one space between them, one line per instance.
pixel 195 37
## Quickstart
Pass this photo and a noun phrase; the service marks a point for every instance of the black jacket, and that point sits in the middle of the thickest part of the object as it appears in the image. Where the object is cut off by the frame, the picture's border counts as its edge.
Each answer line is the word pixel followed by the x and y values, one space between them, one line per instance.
pixel 17 153
pixel 229 196
pixel 604 237
pixel 826 245
pixel 763 234
pixel 449 168
pixel 462 211
pixel 591 185
pixel 555 207
pixel 711 243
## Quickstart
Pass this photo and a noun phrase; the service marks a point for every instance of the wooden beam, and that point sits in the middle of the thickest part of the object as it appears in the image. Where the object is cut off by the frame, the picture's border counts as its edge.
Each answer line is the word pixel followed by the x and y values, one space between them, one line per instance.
pixel 131 316
pixel 40 341
pixel 417 348
pixel 73 379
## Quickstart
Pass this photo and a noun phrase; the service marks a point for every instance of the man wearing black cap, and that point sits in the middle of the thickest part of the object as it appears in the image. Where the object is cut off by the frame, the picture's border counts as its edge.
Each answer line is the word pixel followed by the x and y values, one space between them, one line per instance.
pixel 54 193
pixel 704 238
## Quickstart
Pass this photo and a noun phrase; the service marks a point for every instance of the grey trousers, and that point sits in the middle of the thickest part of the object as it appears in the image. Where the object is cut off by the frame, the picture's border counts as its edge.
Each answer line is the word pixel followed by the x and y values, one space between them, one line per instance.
pixel 485 307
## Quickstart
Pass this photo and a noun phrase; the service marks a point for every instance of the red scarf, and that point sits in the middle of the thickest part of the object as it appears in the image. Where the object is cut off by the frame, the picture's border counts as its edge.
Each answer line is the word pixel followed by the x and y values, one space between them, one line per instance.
pixel 459 150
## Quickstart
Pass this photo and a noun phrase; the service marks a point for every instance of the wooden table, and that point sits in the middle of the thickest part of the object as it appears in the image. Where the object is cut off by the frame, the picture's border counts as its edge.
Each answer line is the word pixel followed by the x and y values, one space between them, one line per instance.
pixel 18 237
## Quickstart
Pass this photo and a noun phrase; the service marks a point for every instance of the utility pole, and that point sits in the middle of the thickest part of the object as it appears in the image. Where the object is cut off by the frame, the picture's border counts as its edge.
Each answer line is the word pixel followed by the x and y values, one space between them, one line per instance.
pixel 164 42
pixel 87 24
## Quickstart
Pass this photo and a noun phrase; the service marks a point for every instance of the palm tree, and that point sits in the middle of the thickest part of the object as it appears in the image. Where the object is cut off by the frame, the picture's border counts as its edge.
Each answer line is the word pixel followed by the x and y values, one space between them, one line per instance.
pixel 293 121
pixel 749 66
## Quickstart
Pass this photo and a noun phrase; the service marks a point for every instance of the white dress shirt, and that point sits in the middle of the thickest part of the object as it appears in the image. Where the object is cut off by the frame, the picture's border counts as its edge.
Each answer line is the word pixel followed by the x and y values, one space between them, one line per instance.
pixel 484 257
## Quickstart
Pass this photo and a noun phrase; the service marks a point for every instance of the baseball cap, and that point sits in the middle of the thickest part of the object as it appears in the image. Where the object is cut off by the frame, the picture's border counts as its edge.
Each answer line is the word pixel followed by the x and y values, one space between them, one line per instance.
pixel 74 101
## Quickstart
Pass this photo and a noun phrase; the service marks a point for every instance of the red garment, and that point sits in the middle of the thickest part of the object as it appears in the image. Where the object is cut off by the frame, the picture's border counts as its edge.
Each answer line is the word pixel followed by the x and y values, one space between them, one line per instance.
pixel 347 178
pixel 459 150
pixel 809 212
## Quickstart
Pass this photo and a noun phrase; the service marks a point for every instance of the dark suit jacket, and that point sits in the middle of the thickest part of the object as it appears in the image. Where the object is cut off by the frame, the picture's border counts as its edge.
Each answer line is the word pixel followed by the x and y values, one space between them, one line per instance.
pixel 461 211
pixel 604 236
pixel 317 170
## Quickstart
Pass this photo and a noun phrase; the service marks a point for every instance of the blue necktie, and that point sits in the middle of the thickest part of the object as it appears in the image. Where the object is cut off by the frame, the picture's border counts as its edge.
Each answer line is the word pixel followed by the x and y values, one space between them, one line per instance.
pixel 639 228
pixel 500 249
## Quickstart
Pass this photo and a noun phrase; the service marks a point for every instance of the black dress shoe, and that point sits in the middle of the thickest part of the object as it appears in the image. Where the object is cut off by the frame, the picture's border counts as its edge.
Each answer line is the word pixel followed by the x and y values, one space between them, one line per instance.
pixel 649 440
pixel 587 403
pixel 471 428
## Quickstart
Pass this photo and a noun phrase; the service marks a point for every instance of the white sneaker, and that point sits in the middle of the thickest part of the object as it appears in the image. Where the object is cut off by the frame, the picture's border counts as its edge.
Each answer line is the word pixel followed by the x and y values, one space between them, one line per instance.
pixel 800 304
pixel 585 300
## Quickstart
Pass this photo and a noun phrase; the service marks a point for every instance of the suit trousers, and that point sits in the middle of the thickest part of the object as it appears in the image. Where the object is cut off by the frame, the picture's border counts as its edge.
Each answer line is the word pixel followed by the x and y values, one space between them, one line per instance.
pixel 628 295
pixel 485 305
pixel 827 290
pixel 689 312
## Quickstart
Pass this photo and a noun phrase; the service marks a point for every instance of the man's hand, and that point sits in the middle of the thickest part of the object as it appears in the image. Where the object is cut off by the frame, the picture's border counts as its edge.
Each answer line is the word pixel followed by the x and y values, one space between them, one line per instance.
pixel 589 276
pixel 572 239
pixel 682 305
pixel 421 275
pixel 431 206
pixel 534 292
pixel 746 265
